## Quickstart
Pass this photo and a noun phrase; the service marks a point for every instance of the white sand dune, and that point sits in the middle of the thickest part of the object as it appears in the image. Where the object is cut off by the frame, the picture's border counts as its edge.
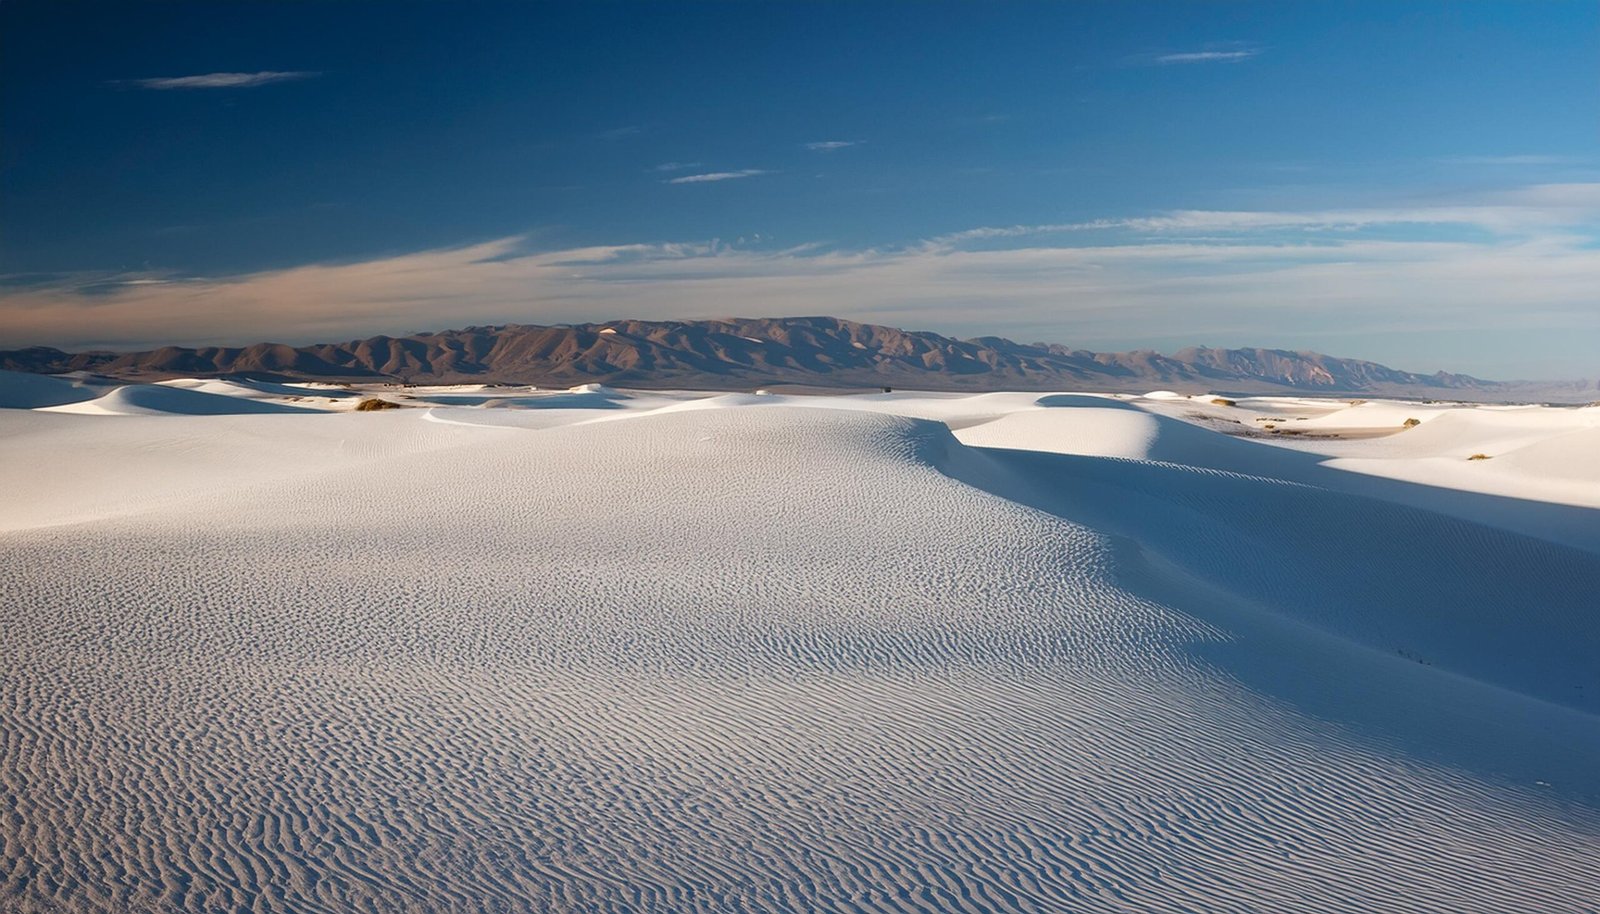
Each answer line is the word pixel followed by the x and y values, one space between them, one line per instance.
pixel 79 469
pixel 1546 488
pixel 160 399
pixel 262 390
pixel 775 653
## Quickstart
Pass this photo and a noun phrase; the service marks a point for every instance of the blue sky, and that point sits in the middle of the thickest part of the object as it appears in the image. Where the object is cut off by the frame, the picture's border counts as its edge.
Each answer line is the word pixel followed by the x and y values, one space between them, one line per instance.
pixel 1413 183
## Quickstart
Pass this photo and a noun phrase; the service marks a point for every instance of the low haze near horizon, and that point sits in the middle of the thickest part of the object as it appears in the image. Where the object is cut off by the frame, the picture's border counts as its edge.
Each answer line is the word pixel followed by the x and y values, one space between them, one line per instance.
pixel 1412 183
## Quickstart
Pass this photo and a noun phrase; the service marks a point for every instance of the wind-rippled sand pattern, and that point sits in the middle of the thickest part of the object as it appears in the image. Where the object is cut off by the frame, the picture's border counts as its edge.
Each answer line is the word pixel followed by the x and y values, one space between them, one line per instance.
pixel 724 660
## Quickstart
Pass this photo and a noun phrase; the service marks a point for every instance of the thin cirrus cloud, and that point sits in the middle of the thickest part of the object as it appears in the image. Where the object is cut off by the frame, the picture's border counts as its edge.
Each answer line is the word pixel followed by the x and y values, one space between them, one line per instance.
pixel 831 145
pixel 1549 207
pixel 1235 54
pixel 1325 276
pixel 219 80
pixel 712 176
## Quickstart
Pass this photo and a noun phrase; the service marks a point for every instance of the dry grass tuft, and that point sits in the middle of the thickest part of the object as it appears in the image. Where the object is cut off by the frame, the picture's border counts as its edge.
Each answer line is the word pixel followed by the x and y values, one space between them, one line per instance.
pixel 373 403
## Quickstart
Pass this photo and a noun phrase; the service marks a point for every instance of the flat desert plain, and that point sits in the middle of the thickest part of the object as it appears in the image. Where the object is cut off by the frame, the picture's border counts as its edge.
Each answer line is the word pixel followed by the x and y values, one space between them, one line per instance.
pixel 505 649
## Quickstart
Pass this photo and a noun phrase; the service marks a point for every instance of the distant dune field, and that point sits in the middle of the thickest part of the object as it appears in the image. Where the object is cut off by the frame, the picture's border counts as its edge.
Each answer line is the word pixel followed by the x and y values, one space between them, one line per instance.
pixel 504 649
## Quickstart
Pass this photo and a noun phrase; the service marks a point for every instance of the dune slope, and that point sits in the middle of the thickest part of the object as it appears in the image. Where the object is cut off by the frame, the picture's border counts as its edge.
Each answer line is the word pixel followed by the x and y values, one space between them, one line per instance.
pixel 158 400
pixel 765 659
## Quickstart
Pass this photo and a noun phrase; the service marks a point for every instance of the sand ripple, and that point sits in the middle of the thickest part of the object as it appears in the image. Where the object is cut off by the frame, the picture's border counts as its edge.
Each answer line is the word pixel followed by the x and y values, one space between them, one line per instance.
pixel 728 660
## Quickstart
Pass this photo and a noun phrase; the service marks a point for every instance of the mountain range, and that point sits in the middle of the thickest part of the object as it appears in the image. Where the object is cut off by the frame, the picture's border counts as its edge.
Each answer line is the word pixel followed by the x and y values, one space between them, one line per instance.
pixel 744 352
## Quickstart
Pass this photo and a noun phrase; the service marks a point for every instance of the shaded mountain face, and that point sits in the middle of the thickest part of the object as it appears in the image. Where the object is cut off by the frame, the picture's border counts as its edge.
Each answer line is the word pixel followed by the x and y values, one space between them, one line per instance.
pixel 741 352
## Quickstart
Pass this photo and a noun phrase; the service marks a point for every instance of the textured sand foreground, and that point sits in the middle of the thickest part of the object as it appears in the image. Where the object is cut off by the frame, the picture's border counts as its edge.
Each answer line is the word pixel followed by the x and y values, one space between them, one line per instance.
pixel 600 651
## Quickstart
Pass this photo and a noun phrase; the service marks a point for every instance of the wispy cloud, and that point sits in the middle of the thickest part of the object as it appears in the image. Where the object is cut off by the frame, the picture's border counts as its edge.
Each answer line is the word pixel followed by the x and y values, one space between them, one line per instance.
pixel 1497 213
pixel 1208 56
pixel 218 80
pixel 1533 261
pixel 1222 52
pixel 718 176
pixel 831 145
pixel 676 166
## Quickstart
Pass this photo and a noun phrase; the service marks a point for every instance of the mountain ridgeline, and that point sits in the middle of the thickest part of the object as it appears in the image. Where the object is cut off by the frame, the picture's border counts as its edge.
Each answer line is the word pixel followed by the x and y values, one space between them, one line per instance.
pixel 739 352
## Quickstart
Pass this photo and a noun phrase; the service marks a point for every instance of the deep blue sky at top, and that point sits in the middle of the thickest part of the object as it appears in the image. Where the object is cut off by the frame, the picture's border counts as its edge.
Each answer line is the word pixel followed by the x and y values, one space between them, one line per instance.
pixel 436 125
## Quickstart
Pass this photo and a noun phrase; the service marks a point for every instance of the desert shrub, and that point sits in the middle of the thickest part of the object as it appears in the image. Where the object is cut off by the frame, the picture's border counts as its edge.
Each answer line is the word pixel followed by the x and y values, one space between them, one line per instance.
pixel 373 403
pixel 1410 423
pixel 1223 401
pixel 1479 457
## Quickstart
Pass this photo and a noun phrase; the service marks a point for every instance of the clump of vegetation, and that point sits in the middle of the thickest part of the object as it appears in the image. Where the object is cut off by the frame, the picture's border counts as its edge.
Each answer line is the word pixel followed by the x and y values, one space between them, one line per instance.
pixel 1207 417
pixel 1479 457
pixel 1412 423
pixel 1223 401
pixel 371 404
